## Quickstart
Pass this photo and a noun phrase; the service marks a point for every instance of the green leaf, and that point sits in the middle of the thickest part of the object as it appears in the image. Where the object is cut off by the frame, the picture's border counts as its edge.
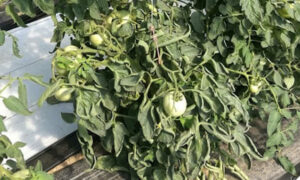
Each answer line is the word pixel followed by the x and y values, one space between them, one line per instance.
pixel 25 6
pixel 285 99
pixel 216 28
pixel 16 153
pixel 69 117
pixel 95 11
pixel 210 4
pixel 187 121
pixel 197 20
pixel 161 5
pixel 273 121
pixel 73 1
pixel 41 175
pixel 86 143
pixel 49 91
pixel 38 166
pixel 22 93
pixel 103 6
pixel 2 37
pixel 146 121
pixel 105 162
pixel 47 6
pixel 270 153
pixel 184 139
pixel 35 79
pixel 14 104
pixel 94 125
pixel 19 144
pixel 109 100
pixel 131 80
pixel 107 141
pixel 159 174
pixel 277 78
pixel 294 125
pixel 287 165
pixel 221 46
pixel 166 136
pixel 253 10
pixel 2 126
pixel 9 9
pixel 274 140
pixel 79 11
pixel 119 132
pixel 59 32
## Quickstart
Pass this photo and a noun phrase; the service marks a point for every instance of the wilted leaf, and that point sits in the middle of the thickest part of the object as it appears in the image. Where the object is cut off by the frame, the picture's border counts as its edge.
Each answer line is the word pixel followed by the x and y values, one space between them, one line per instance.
pixel 12 13
pixel 273 121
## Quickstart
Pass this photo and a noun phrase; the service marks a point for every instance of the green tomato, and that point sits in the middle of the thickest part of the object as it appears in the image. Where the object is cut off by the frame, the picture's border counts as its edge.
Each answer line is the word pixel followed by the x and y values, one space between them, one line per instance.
pixel 96 40
pixel 289 81
pixel 109 19
pixel 63 94
pixel 61 71
pixel 174 104
pixel 71 48
pixel 255 87
pixel 60 68
pixel 79 56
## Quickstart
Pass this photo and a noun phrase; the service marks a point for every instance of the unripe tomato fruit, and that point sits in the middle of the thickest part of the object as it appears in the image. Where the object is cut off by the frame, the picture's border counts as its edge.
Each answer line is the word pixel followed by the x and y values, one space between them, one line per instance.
pixel 71 48
pixel 255 87
pixel 60 68
pixel 96 40
pixel 61 71
pixel 174 104
pixel 63 94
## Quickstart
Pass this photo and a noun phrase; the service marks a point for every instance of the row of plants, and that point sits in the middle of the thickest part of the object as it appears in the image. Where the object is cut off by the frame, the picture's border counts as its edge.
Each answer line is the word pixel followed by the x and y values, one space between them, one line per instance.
pixel 172 87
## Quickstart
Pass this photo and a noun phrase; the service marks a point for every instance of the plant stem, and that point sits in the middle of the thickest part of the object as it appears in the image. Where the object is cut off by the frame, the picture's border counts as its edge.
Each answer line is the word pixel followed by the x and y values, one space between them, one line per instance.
pixel 125 116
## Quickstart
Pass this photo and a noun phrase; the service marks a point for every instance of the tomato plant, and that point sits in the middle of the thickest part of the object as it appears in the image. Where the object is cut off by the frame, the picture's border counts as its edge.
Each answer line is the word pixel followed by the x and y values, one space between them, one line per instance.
pixel 227 60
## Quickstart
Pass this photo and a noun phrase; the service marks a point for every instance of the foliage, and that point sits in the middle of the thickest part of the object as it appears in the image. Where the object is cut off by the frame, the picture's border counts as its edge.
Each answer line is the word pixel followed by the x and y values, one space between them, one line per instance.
pixel 12 161
pixel 211 51
pixel 15 47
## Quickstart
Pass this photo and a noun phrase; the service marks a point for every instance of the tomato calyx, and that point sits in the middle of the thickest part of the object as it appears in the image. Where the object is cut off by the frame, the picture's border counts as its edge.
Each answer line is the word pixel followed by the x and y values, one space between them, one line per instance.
pixel 174 104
